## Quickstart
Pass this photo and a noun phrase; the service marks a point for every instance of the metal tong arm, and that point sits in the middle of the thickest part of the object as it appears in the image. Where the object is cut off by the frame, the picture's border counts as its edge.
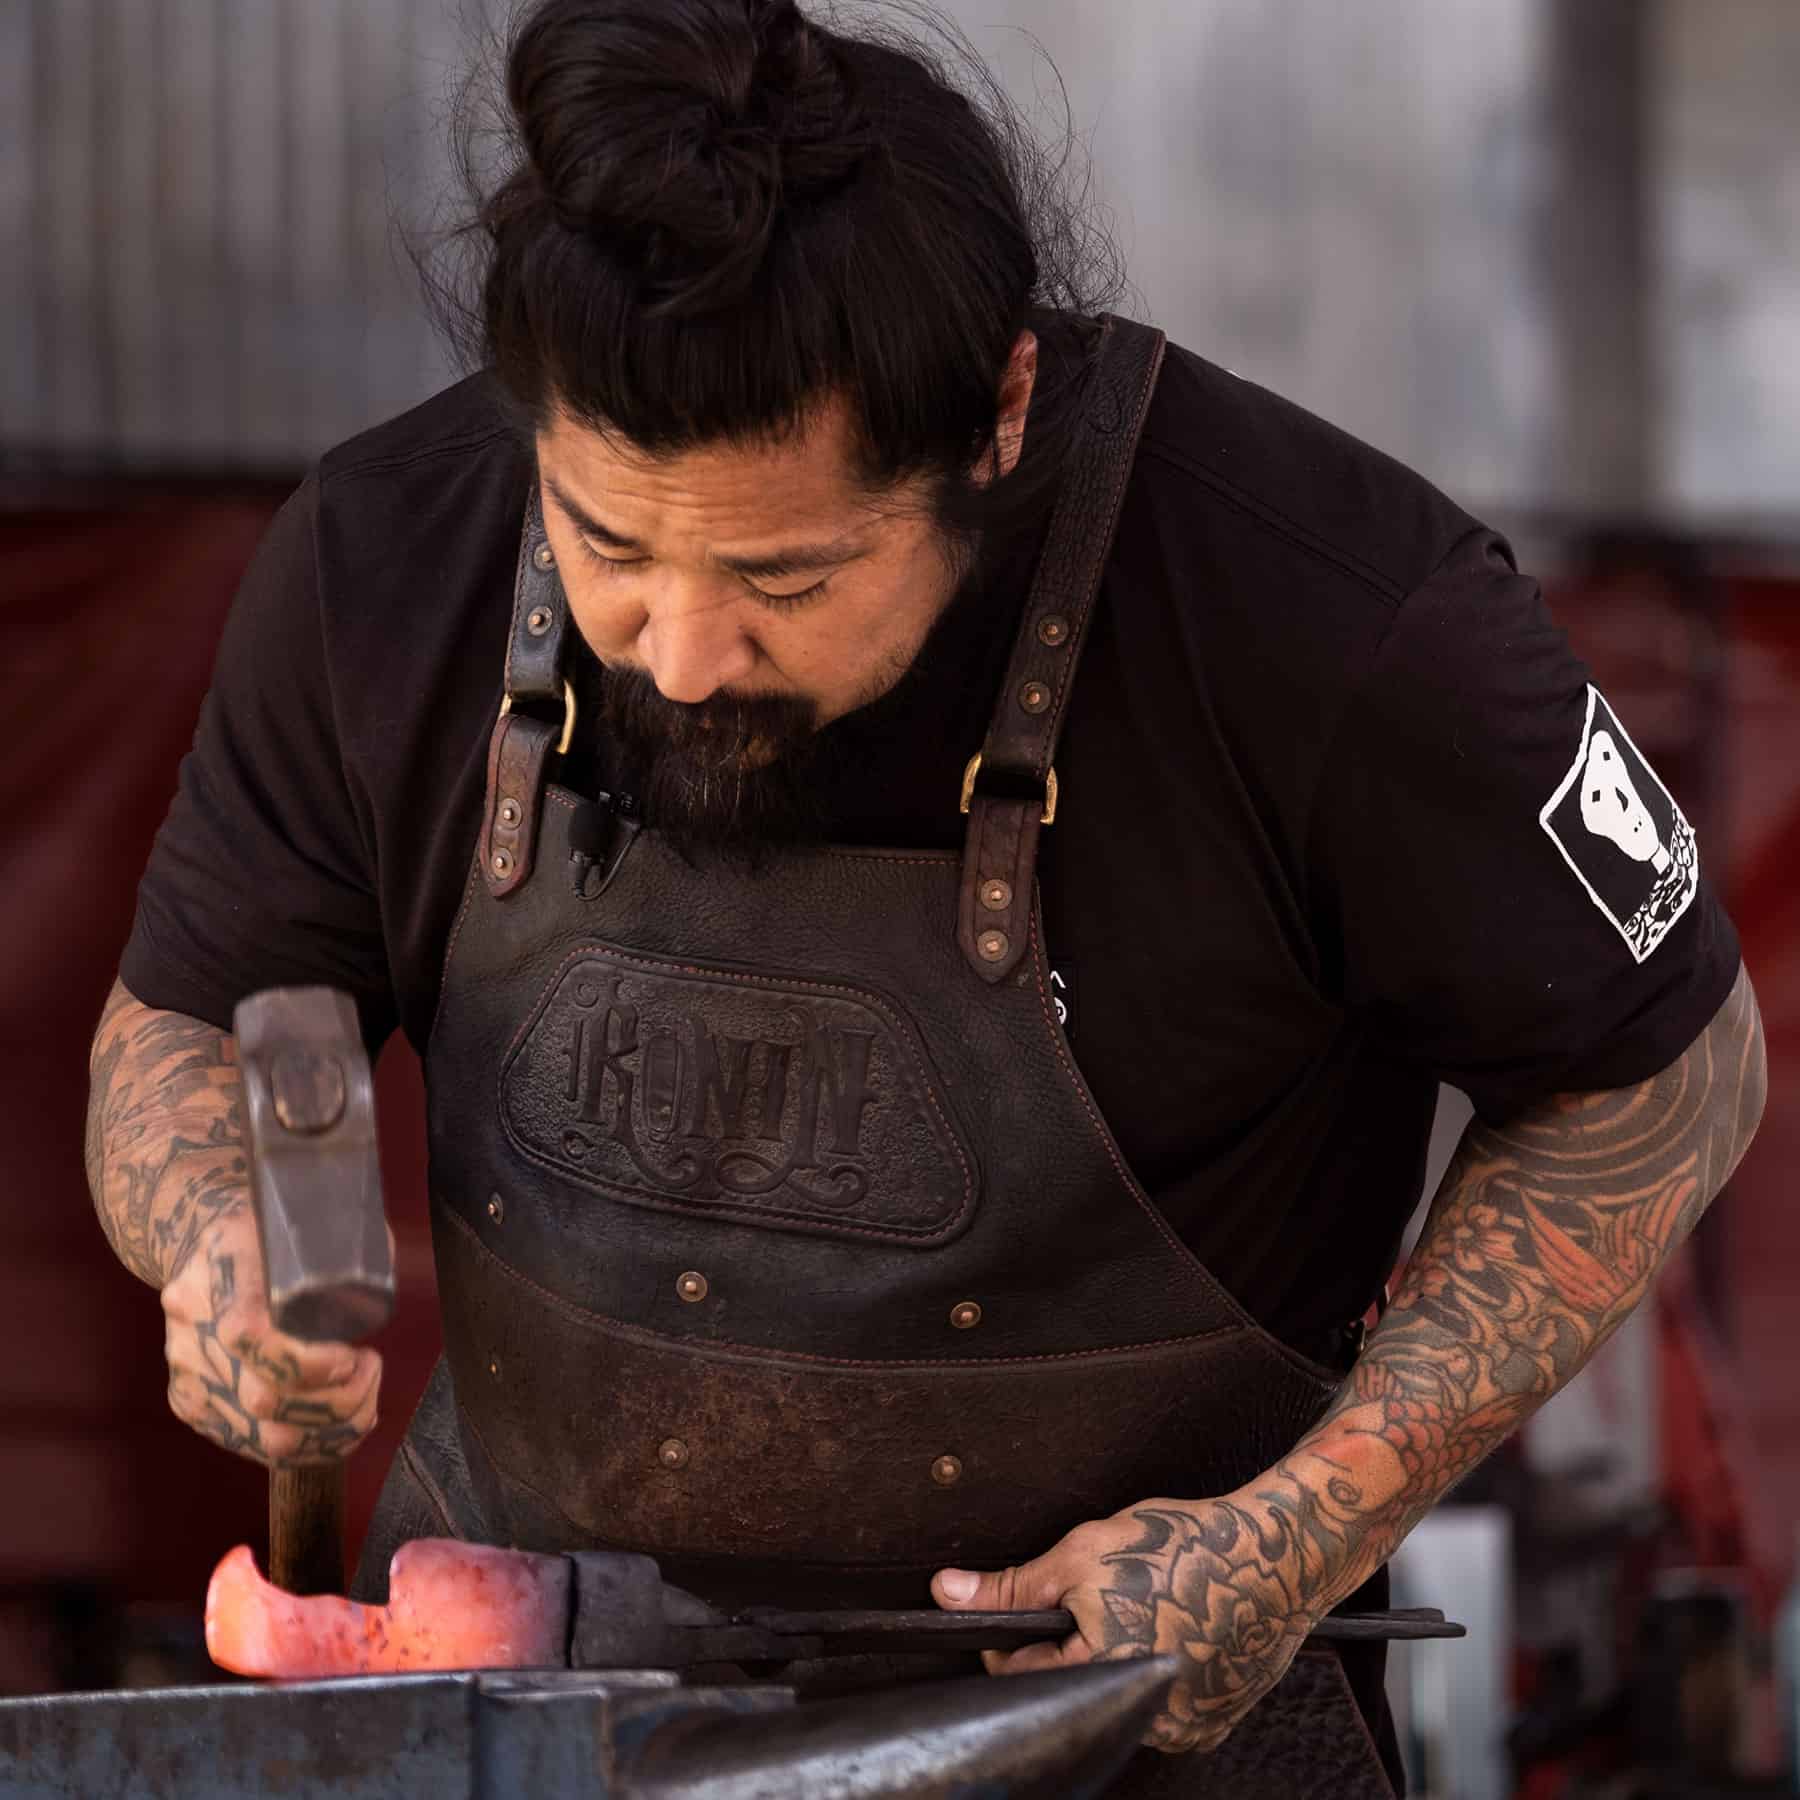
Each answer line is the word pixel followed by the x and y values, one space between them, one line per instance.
pixel 769 1634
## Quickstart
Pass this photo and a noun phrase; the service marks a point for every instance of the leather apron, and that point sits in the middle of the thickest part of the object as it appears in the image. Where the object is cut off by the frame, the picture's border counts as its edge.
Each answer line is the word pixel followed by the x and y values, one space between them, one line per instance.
pixel 777 1232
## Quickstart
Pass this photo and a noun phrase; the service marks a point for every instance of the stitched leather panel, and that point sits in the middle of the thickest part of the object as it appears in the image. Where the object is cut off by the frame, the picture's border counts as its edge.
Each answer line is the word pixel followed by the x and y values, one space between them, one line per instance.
pixel 518 754
pixel 1057 1212
pixel 807 1105
pixel 1039 1446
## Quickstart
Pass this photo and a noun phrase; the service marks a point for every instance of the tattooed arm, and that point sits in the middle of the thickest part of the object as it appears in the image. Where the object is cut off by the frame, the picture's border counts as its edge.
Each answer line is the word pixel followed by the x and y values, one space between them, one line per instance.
pixel 170 1179
pixel 1543 1235
pixel 165 1132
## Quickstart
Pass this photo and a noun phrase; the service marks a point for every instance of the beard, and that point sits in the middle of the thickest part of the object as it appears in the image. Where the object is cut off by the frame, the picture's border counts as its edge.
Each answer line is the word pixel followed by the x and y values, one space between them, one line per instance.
pixel 733 776
pixel 741 776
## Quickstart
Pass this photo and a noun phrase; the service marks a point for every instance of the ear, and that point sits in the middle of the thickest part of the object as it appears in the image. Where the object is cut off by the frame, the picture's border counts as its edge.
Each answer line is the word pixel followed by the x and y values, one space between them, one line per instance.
pixel 1016 384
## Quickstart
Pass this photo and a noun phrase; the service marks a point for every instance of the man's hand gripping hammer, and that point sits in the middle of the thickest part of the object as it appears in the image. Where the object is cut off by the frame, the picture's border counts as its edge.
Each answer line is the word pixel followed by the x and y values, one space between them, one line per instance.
pixel 316 1184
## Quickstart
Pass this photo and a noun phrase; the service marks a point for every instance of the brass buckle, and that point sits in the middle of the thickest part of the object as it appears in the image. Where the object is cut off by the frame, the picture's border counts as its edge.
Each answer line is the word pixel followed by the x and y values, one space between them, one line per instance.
pixel 974 769
pixel 568 730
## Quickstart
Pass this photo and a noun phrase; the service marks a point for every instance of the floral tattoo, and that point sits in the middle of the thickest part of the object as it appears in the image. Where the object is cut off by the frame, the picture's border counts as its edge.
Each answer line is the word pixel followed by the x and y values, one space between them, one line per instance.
pixel 1543 1236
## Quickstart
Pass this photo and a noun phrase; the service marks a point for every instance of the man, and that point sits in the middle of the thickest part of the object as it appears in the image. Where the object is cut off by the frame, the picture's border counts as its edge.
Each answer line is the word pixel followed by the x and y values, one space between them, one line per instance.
pixel 934 982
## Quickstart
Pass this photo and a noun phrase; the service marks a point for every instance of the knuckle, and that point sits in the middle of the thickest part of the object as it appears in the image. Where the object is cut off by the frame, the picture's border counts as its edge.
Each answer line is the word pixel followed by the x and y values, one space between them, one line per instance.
pixel 283 1444
pixel 259 1397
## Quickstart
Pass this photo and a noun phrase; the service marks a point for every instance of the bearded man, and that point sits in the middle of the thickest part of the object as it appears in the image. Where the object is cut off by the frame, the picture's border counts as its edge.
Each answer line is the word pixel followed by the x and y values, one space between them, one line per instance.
pixel 936 851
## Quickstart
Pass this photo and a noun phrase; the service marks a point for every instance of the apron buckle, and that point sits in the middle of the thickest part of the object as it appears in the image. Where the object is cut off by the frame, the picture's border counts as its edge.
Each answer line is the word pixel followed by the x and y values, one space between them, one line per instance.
pixel 968 790
pixel 568 729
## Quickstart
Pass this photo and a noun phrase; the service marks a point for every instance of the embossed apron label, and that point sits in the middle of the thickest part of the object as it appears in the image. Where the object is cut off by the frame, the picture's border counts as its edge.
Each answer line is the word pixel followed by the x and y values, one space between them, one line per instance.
pixel 801 1106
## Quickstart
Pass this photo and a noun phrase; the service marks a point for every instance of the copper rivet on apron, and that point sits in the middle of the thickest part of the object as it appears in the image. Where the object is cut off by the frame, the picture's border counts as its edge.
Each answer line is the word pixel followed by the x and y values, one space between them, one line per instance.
pixel 502 862
pixel 996 896
pixel 672 1453
pixel 494 1367
pixel 1053 629
pixel 691 1285
pixel 496 1208
pixel 537 621
pixel 946 1471
pixel 544 557
pixel 509 812
pixel 992 945
pixel 966 1314
pixel 1034 696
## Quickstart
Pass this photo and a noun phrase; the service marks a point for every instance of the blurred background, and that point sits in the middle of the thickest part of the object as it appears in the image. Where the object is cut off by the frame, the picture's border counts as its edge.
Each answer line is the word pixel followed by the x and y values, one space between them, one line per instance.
pixel 1547 251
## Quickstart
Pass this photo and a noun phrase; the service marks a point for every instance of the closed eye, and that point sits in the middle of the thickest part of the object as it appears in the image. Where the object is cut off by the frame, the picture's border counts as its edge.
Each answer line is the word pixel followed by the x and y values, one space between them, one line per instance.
pixel 620 565
pixel 790 602
pixel 614 563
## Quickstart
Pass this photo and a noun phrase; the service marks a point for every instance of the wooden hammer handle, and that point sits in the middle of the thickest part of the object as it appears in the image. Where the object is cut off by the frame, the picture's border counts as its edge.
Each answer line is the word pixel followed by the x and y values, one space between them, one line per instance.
pixel 306 1528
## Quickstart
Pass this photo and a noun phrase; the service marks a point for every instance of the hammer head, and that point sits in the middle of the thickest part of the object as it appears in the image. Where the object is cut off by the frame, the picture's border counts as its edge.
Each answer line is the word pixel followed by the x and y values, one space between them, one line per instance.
pixel 315 1174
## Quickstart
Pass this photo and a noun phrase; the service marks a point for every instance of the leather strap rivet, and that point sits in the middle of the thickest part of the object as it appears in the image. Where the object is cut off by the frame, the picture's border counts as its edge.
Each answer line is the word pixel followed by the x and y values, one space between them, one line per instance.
pixel 672 1453
pixel 993 945
pixel 537 621
pixel 544 557
pixel 494 1367
pixel 496 1208
pixel 502 862
pixel 946 1471
pixel 509 813
pixel 691 1285
pixel 965 1315
pixel 1053 629
pixel 1034 697
pixel 996 896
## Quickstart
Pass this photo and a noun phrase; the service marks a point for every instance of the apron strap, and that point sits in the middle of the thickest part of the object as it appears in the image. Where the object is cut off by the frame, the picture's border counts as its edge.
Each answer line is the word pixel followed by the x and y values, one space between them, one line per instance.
pixel 1009 789
pixel 528 728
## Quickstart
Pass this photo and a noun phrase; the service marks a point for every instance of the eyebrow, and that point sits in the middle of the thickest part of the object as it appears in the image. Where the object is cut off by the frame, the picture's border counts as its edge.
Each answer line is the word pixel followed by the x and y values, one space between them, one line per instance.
pixel 793 559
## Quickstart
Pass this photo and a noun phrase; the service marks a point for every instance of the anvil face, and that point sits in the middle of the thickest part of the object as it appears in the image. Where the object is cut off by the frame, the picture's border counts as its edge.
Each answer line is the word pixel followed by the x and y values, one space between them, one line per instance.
pixel 623 1736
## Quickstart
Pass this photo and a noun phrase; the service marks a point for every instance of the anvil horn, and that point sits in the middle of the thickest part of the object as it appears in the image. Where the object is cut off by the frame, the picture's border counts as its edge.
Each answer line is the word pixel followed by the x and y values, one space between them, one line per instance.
pixel 1061 1734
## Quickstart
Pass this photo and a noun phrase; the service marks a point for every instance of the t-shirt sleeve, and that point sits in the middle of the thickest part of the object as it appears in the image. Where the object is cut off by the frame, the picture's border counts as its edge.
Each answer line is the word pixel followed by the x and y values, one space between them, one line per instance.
pixel 1515 900
pixel 262 874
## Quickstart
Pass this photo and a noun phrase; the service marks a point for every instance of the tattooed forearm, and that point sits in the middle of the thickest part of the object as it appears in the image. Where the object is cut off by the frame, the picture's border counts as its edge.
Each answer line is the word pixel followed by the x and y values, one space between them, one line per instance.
pixel 164 1132
pixel 1543 1236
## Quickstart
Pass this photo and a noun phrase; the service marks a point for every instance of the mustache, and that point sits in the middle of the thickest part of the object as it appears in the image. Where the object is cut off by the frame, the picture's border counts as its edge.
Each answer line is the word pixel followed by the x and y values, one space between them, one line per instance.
pixel 715 730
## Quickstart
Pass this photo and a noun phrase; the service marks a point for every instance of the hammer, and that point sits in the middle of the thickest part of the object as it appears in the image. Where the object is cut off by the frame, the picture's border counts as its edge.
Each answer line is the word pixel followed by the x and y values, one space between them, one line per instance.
pixel 316 1192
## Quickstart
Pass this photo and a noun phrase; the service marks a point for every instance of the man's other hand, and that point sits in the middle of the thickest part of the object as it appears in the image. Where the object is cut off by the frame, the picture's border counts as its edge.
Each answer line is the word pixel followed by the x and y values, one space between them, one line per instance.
pixel 248 1387
pixel 1184 1576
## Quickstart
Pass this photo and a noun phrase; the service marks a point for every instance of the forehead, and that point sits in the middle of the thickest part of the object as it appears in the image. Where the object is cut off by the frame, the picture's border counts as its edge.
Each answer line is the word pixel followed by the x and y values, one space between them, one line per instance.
pixel 805 478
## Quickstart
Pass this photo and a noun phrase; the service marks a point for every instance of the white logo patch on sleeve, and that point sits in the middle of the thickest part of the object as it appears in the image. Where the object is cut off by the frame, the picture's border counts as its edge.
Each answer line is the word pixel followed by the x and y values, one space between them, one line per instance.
pixel 1620 831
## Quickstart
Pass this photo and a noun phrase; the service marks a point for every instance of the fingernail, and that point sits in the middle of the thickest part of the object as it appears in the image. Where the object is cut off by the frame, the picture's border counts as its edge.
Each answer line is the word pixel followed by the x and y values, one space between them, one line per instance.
pixel 959 1584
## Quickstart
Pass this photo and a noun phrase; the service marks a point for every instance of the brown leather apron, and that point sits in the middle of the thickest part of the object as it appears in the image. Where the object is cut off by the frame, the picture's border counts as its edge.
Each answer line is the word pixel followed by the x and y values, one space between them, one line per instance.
pixel 777 1232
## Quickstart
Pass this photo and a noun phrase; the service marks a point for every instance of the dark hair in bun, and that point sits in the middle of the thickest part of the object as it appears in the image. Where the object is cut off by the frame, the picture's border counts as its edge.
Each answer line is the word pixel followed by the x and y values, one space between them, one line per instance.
pixel 709 214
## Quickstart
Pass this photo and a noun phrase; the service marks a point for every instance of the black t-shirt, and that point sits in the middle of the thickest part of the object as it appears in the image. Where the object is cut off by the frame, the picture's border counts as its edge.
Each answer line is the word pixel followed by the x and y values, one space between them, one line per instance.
pixel 1340 815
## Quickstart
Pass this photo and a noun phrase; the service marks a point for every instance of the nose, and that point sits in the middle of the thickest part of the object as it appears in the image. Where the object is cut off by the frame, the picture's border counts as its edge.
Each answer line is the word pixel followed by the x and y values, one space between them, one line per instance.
pixel 691 652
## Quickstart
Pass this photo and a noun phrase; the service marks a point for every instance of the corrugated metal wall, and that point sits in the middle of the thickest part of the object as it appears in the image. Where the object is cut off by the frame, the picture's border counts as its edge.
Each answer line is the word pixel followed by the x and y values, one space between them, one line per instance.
pixel 197 259
pixel 1550 255
pixel 198 202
